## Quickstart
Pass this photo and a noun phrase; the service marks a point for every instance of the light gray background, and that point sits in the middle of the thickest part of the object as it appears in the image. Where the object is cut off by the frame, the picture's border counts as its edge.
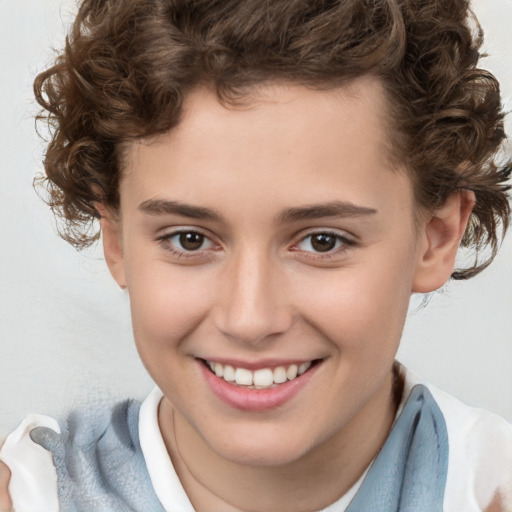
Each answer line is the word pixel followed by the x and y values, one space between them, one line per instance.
pixel 65 336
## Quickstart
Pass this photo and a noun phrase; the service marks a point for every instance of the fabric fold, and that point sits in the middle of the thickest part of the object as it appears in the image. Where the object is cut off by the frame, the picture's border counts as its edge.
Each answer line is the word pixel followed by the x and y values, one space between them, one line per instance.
pixel 409 472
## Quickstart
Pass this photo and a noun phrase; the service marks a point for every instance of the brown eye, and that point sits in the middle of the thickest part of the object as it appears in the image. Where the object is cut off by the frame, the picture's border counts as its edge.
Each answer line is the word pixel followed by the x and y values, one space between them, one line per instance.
pixel 323 242
pixel 191 241
pixel 187 243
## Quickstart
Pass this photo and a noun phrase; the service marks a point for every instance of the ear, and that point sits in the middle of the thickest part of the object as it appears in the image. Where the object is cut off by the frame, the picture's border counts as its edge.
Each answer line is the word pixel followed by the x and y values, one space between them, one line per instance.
pixel 440 240
pixel 112 244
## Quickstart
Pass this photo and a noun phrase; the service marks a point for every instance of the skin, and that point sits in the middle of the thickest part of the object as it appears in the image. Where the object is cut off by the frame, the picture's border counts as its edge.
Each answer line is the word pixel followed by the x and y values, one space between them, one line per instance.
pixel 259 290
pixel 5 499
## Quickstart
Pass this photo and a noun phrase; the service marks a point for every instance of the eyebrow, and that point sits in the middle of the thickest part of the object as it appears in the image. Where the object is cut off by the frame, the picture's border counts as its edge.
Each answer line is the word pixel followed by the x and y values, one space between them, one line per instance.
pixel 165 207
pixel 318 211
pixel 311 212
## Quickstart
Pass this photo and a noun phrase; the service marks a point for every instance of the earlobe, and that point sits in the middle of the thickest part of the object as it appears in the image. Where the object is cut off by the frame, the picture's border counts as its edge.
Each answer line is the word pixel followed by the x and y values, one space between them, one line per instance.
pixel 440 241
pixel 112 244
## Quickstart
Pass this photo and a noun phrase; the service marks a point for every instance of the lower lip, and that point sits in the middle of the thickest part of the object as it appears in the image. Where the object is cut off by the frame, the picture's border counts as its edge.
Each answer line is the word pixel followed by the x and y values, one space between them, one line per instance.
pixel 256 399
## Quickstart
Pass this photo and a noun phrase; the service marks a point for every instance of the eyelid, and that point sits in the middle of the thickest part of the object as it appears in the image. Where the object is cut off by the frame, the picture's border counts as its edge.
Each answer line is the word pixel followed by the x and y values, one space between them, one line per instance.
pixel 170 231
pixel 338 233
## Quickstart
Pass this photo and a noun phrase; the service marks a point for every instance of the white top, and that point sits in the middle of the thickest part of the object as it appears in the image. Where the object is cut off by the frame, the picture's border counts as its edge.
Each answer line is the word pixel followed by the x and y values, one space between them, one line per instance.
pixel 165 481
pixel 480 459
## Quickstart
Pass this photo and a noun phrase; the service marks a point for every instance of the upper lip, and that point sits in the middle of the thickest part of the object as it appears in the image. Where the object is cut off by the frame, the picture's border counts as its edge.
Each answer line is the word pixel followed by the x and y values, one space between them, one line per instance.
pixel 256 365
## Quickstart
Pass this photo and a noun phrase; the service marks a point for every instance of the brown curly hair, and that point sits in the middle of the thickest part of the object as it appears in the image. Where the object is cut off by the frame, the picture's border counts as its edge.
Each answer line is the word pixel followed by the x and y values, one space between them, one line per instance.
pixel 128 64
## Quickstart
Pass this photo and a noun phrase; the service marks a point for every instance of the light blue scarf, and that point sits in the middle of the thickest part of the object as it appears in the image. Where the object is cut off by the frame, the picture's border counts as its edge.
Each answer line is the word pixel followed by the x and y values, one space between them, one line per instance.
pixel 409 473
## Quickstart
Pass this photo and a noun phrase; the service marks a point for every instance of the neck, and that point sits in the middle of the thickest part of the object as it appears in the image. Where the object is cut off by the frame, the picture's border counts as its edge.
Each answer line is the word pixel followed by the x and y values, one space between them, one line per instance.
pixel 312 482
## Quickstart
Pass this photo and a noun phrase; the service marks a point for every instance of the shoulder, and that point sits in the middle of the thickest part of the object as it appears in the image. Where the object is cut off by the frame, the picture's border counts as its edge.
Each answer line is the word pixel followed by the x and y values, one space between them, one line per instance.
pixel 72 460
pixel 480 454
pixel 92 437
pixel 102 426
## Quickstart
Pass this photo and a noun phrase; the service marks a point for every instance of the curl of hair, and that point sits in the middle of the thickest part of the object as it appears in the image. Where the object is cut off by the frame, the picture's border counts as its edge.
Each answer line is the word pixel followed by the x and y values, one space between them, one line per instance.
pixel 128 64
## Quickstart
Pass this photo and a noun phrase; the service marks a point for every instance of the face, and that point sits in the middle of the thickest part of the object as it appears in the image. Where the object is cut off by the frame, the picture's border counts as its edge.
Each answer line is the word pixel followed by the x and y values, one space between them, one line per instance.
pixel 265 242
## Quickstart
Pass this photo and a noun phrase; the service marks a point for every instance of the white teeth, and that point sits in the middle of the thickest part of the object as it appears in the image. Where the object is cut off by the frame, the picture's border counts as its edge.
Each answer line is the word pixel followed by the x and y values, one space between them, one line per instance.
pixel 303 367
pixel 229 373
pixel 291 373
pixel 219 370
pixel 280 375
pixel 243 377
pixel 263 378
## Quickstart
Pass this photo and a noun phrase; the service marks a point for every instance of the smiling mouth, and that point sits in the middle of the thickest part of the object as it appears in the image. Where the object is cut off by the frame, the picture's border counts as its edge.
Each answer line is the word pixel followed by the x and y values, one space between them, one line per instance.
pixel 263 378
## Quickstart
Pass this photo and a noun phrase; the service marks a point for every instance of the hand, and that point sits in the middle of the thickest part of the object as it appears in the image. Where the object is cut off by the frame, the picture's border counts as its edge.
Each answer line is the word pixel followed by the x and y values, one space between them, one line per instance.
pixel 5 499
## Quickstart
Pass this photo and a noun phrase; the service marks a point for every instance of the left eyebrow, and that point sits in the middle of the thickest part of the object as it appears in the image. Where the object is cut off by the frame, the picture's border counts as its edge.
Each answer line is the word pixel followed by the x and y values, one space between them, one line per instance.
pixel 164 207
pixel 319 211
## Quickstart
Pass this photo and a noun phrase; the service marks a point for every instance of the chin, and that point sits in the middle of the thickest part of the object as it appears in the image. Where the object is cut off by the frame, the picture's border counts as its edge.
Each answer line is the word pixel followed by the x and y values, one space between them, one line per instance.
pixel 273 448
pixel 256 456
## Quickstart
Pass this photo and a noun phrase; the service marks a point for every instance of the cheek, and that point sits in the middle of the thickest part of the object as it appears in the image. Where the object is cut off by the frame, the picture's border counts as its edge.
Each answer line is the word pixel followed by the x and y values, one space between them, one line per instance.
pixel 361 309
pixel 166 304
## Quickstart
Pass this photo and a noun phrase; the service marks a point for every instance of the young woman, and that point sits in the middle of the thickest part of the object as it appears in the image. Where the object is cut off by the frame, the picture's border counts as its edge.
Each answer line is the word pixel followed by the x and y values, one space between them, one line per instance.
pixel 273 180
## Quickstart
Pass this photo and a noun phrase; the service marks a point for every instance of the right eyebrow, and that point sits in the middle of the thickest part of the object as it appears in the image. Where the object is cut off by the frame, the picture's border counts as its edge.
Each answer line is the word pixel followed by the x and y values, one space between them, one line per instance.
pixel 324 210
pixel 165 207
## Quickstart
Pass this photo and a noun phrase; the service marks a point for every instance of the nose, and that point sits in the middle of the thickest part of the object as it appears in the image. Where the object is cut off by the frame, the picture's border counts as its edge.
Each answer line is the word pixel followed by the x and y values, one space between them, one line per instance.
pixel 252 306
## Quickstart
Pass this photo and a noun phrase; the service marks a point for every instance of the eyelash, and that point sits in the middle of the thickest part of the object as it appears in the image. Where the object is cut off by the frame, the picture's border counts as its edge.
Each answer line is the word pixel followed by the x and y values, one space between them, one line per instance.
pixel 345 244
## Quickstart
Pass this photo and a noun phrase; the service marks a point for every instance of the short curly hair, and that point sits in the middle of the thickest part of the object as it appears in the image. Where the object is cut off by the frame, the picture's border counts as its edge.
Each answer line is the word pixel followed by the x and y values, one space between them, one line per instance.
pixel 128 65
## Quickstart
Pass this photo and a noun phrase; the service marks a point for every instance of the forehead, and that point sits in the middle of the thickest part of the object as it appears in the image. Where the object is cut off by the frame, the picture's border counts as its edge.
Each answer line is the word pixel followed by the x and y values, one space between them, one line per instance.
pixel 285 144
pixel 283 116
